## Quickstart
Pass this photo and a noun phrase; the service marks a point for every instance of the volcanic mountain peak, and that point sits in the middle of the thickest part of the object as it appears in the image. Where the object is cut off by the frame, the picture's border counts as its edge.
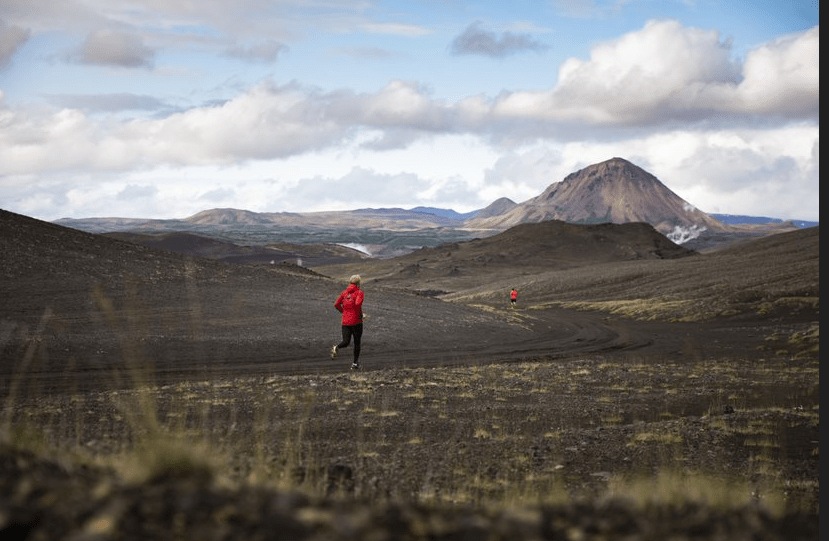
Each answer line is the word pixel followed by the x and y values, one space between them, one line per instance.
pixel 611 177
pixel 613 191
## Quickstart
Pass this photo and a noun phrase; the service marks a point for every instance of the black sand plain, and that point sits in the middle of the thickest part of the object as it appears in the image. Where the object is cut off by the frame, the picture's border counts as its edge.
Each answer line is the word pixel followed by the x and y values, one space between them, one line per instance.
pixel 636 392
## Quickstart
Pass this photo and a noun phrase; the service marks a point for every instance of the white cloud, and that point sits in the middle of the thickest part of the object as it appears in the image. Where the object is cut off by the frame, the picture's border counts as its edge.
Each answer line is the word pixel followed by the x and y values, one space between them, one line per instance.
pixel 733 172
pixel 398 105
pixel 620 85
pixel 12 37
pixel 725 134
pixel 523 174
pixel 134 191
pixel 666 73
pixel 760 172
pixel 783 77
pixel 266 122
pixel 115 48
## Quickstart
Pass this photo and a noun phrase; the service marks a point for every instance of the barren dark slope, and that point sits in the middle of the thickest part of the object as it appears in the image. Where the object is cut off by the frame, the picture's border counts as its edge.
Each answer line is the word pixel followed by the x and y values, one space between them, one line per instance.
pixel 77 303
pixel 628 269
pixel 194 245
pixel 774 276
pixel 521 250
pixel 242 397
pixel 555 245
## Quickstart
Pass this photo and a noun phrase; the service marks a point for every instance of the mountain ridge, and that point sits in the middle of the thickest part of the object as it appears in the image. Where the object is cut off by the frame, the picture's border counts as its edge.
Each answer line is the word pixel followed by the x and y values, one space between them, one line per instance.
pixel 613 191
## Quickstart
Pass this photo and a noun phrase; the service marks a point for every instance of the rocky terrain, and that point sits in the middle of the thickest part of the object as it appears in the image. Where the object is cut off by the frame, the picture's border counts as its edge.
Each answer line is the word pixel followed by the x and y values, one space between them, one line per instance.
pixel 655 393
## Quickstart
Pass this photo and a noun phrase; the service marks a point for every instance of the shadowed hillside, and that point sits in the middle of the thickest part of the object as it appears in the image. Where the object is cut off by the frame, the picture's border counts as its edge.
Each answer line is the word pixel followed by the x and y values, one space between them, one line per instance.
pixel 776 275
pixel 521 250
pixel 627 269
pixel 88 304
pixel 638 391
pixel 207 247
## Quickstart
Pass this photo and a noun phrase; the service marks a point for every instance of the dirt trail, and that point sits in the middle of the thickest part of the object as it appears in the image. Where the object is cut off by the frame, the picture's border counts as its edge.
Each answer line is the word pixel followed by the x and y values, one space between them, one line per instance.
pixel 524 334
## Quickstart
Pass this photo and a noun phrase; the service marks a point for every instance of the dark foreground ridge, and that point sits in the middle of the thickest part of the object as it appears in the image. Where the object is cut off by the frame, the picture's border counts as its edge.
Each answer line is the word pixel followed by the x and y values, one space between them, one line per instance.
pixel 47 500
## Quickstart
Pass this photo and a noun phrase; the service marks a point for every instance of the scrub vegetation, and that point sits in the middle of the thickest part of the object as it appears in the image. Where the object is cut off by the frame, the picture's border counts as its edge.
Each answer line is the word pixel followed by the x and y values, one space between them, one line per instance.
pixel 735 439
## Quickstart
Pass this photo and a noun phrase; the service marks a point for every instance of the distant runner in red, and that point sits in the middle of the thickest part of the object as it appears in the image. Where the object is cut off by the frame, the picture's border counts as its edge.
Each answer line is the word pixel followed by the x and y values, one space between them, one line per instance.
pixel 350 304
pixel 513 297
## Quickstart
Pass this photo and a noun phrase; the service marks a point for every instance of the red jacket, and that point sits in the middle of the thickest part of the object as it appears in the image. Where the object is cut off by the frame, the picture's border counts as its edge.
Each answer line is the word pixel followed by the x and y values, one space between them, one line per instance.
pixel 350 303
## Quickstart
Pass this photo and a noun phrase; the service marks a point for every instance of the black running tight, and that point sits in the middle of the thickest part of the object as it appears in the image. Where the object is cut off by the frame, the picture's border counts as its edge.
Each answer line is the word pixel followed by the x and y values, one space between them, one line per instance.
pixel 349 331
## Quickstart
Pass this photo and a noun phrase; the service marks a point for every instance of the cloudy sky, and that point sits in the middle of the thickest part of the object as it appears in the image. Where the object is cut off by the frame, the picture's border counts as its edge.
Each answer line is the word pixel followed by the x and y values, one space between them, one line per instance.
pixel 163 108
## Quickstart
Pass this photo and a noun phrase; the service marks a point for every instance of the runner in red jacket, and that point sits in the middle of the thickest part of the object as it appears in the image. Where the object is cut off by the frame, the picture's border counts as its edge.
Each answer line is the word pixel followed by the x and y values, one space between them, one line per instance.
pixel 350 304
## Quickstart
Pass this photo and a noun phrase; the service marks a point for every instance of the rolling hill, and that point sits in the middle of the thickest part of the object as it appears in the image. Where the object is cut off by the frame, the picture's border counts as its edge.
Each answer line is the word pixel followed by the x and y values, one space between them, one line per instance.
pixel 524 249
pixel 613 191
